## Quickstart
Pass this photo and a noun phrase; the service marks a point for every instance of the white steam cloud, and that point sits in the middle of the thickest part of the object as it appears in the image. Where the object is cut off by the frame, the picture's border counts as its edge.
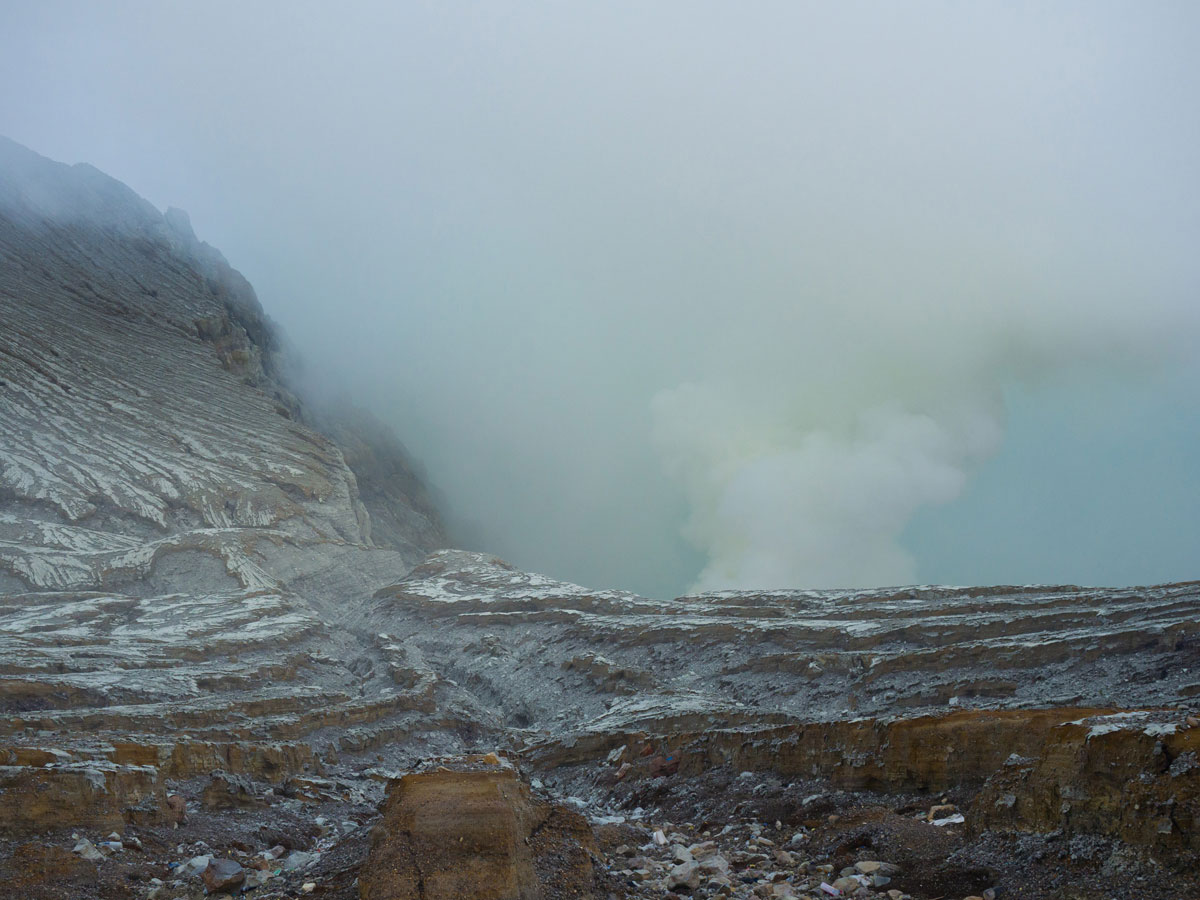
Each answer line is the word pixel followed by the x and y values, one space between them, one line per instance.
pixel 778 501
pixel 810 476
pixel 698 293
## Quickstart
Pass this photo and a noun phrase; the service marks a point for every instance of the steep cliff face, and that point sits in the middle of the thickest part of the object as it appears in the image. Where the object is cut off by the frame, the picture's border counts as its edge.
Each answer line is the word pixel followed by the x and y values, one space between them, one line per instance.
pixel 145 419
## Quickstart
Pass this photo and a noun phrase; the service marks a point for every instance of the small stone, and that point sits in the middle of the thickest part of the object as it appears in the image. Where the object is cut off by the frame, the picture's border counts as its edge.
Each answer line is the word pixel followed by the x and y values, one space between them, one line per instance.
pixel 720 884
pixel 660 838
pixel 940 811
pixel 955 819
pixel 308 887
pixel 88 851
pixel 491 759
pixel 894 894
pixel 868 866
pixel 256 878
pixel 783 858
pixel 989 894
pixel 846 883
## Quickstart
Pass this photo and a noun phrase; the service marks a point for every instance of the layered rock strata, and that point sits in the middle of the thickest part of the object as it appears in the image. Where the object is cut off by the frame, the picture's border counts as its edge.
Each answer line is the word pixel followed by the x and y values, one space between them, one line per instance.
pixel 223 635
pixel 483 834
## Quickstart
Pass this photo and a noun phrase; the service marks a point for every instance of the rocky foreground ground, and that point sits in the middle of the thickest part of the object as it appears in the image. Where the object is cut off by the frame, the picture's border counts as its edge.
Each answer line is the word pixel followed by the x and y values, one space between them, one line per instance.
pixel 233 660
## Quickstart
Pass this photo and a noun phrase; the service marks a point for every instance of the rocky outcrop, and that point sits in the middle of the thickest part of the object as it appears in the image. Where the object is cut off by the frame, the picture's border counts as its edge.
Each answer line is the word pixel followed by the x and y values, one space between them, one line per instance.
pixel 1128 776
pixel 608 661
pixel 122 335
pixel 446 835
pixel 95 795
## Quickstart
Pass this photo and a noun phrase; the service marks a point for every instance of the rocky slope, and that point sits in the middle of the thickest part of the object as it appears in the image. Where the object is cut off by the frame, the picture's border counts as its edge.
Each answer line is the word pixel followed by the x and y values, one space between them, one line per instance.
pixel 232 658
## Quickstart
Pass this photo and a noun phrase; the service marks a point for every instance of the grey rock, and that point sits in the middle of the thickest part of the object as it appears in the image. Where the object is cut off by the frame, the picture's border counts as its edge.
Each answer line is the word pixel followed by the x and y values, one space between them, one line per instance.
pixel 194 866
pixel 685 876
pixel 222 875
pixel 297 860
pixel 714 864
pixel 87 850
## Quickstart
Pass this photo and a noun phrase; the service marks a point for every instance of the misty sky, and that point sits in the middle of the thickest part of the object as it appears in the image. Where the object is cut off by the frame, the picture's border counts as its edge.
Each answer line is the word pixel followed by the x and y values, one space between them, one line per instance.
pixel 687 294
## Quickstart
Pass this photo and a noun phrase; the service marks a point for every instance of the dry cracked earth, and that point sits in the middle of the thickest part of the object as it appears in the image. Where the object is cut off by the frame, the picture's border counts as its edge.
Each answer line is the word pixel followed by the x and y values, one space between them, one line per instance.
pixel 235 659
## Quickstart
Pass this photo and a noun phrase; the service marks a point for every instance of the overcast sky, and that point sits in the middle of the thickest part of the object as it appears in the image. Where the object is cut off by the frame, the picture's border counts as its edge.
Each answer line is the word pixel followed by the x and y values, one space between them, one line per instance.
pixel 686 294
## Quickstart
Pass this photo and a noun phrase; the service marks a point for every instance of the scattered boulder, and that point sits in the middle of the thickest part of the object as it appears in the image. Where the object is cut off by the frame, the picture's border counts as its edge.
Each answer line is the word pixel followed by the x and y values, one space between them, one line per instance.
pixel 222 874
pixel 685 876
pixel 87 850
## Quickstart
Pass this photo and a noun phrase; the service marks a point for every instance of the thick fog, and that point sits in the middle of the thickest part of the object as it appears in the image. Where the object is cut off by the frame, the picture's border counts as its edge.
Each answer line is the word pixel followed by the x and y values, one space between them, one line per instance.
pixel 683 295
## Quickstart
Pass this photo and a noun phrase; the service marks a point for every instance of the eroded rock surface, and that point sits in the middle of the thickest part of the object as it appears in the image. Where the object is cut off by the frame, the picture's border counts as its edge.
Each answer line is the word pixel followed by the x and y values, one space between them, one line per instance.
pixel 448 834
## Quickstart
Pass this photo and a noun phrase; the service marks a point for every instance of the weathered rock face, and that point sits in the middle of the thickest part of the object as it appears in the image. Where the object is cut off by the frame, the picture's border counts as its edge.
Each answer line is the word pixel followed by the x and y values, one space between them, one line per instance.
pixel 1133 777
pixel 607 661
pixel 105 797
pixel 447 835
pixel 177 542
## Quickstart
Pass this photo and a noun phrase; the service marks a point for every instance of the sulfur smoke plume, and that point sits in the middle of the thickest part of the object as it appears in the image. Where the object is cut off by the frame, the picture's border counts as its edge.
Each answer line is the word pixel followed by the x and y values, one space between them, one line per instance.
pixel 754 295
pixel 805 459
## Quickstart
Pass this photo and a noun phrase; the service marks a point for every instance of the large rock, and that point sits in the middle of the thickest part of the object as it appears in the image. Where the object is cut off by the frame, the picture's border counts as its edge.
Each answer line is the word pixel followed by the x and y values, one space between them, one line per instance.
pixel 222 875
pixel 449 835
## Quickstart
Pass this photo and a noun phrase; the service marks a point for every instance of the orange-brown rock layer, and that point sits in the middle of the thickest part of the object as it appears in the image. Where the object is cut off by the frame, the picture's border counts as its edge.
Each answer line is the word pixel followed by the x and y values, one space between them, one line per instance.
pixel 448 835
pixel 1111 776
